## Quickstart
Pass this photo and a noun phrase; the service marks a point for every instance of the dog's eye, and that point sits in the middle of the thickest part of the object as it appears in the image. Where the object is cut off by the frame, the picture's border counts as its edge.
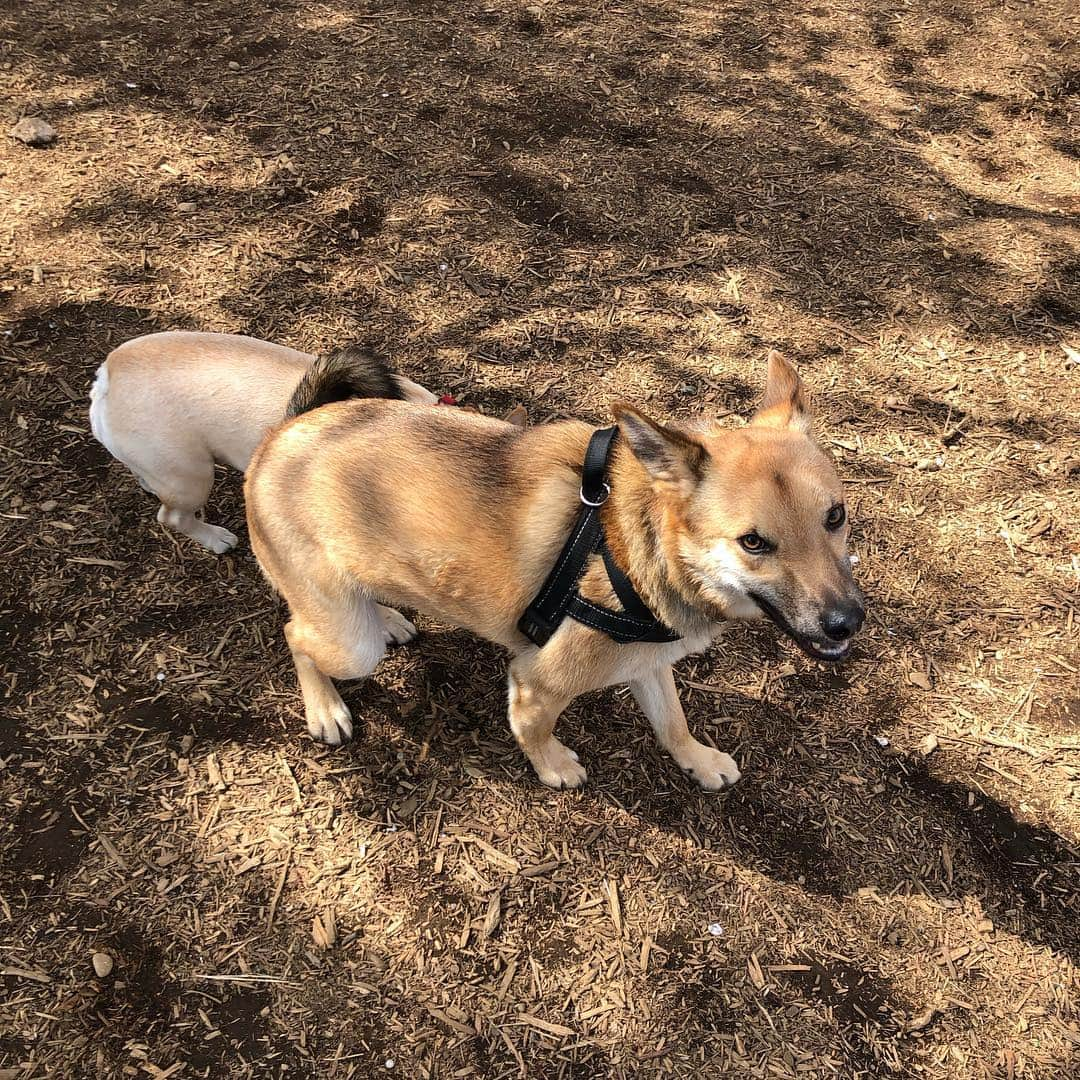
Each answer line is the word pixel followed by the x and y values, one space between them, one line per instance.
pixel 755 544
pixel 836 517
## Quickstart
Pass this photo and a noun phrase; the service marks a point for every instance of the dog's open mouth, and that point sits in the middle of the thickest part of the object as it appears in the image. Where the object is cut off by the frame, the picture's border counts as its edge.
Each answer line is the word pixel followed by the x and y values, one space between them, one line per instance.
pixel 816 648
pixel 822 650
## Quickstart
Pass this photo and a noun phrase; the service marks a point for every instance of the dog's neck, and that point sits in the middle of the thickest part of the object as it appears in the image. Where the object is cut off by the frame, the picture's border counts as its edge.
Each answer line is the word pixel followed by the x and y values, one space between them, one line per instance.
pixel 642 540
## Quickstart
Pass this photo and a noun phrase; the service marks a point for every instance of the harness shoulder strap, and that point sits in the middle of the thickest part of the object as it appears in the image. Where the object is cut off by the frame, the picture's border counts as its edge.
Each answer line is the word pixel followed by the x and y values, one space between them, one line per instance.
pixel 559 596
pixel 543 615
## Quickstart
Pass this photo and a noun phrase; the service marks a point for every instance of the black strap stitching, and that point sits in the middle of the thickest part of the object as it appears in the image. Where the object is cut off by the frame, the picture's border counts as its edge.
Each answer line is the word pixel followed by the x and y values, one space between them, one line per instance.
pixel 607 613
pixel 619 636
pixel 568 551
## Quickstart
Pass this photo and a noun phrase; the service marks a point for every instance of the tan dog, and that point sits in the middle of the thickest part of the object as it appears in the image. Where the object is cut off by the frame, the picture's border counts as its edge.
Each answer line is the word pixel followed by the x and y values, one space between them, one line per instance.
pixel 462 517
pixel 169 405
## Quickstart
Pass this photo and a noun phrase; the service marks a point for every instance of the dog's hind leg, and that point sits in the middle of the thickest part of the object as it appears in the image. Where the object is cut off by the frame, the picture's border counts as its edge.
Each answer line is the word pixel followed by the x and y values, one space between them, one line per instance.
pixel 167 460
pixel 178 513
pixel 346 641
pixel 659 701
pixel 183 493
pixel 180 472
pixel 533 713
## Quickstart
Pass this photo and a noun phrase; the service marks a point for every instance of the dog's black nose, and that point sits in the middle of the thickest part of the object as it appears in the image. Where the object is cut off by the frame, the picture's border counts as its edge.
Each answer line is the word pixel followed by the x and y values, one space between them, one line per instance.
pixel 843 621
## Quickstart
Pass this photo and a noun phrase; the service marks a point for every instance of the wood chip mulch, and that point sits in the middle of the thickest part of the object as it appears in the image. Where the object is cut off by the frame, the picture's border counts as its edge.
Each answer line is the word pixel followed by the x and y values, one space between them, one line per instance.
pixel 556 204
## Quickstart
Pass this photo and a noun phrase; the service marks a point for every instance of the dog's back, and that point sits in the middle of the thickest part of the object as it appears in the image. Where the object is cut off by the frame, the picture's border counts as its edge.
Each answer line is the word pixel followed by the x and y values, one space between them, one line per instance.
pixel 437 505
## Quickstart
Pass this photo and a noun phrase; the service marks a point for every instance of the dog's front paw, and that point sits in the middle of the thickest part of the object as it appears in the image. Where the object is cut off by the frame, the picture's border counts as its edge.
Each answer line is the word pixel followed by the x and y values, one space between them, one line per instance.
pixel 331 724
pixel 558 765
pixel 713 770
pixel 397 628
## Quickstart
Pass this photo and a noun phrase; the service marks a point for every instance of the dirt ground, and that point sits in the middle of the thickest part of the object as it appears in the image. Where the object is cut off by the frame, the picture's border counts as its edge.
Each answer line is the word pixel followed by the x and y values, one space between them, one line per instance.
pixel 556 204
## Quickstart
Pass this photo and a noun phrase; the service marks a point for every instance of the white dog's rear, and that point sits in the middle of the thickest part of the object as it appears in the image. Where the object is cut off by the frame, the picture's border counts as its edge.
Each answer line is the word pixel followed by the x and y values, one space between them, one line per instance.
pixel 170 405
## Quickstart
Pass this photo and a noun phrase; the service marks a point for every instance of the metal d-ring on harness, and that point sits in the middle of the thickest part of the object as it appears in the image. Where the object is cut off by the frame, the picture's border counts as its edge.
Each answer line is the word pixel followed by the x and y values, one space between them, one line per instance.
pixel 559 596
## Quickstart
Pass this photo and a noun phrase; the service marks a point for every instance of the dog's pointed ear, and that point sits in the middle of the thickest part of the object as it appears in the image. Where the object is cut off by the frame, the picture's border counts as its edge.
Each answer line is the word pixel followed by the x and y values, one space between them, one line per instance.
pixel 670 457
pixel 784 404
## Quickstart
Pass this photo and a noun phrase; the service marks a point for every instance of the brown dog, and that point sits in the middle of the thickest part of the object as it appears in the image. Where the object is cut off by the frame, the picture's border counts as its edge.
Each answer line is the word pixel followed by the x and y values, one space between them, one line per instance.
pixel 462 517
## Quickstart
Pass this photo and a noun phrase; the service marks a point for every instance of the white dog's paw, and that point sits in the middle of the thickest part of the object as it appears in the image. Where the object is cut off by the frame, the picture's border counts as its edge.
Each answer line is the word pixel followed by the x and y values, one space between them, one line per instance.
pixel 397 628
pixel 217 539
pixel 331 725
pixel 713 770
pixel 558 766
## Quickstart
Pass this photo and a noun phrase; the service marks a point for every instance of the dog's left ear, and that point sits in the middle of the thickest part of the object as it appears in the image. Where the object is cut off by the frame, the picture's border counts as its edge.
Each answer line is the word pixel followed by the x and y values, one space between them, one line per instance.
pixel 670 457
pixel 784 404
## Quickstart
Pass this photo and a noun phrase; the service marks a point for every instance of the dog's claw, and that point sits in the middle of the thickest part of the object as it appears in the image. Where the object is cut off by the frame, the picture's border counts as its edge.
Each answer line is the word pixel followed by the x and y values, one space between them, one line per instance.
pixel 333 726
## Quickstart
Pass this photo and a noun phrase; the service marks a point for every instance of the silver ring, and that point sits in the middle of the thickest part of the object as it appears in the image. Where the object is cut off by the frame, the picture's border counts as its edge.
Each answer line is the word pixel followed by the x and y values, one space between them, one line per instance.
pixel 607 492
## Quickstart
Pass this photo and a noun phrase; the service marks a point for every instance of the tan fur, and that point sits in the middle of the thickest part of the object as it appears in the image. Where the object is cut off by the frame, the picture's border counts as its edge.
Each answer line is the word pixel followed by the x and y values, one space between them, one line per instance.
pixel 169 405
pixel 366 503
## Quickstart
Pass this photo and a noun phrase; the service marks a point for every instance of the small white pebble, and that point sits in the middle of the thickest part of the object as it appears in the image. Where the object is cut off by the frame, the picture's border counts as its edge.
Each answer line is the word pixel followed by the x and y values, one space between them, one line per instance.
pixel 443 267
pixel 103 964
pixel 881 740
pixel 132 85
pixel 854 559
pixel 160 676
pixel 715 929
pixel 389 1063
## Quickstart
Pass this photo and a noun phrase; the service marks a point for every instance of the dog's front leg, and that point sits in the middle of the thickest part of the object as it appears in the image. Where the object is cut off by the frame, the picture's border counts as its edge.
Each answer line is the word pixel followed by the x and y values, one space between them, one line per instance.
pixel 533 712
pixel 659 700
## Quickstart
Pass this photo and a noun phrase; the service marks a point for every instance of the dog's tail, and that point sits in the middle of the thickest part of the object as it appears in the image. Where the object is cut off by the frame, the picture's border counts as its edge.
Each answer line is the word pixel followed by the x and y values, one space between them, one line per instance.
pixel 342 374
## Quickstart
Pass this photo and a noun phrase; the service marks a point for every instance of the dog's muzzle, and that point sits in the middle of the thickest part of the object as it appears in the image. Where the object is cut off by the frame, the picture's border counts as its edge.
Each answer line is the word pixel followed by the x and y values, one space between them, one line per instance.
pixel 840 623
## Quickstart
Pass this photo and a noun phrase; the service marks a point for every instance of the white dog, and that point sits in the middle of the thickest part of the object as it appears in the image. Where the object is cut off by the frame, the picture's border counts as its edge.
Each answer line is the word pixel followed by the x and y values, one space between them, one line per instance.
pixel 169 405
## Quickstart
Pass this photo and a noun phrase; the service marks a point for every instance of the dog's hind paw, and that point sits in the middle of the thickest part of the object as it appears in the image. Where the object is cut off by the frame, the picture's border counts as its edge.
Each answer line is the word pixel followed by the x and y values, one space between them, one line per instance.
pixel 397 628
pixel 217 539
pixel 331 725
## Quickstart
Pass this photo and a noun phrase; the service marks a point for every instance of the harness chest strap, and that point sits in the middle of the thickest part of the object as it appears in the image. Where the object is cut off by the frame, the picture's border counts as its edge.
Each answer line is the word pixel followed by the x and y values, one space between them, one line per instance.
pixel 559 595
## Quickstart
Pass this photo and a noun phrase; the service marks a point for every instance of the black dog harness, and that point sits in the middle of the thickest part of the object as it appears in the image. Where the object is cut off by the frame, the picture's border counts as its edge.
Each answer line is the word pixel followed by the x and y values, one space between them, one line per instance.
pixel 560 597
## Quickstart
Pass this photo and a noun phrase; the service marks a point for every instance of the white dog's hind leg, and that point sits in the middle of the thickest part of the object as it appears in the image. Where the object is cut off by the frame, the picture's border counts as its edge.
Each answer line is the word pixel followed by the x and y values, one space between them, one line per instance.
pixel 187 522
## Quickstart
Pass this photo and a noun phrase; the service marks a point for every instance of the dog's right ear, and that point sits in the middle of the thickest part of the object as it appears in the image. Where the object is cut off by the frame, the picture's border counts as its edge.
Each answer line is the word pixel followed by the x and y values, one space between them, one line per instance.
pixel 671 458
pixel 784 404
